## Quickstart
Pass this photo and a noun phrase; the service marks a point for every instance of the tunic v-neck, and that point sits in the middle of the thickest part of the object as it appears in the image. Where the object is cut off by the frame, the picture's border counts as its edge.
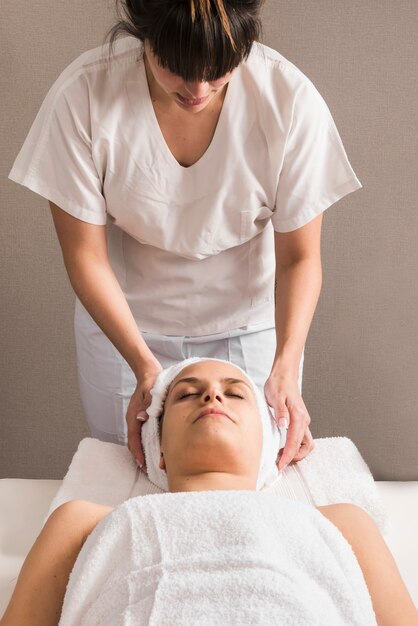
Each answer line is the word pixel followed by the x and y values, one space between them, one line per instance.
pixel 154 125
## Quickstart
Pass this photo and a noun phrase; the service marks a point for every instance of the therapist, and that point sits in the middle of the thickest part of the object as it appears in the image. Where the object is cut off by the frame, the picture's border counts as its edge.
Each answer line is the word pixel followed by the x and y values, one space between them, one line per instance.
pixel 187 168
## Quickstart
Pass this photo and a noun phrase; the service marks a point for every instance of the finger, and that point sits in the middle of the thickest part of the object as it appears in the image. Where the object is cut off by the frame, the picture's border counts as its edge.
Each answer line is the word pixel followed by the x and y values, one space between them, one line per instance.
pixel 283 422
pixel 281 416
pixel 142 416
pixel 134 440
pixel 306 446
pixel 140 454
pixel 135 408
pixel 279 411
pixel 294 439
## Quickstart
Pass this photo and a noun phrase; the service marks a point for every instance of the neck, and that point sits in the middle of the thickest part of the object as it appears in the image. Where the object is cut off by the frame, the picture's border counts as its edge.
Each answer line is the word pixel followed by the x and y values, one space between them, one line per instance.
pixel 212 481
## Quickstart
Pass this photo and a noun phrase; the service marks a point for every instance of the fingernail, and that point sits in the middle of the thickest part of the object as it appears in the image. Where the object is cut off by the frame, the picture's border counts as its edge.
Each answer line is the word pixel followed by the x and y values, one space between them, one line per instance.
pixel 283 422
pixel 141 418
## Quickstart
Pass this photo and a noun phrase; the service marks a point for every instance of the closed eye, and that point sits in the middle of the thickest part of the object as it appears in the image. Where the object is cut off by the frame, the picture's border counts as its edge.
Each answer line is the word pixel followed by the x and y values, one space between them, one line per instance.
pixel 235 395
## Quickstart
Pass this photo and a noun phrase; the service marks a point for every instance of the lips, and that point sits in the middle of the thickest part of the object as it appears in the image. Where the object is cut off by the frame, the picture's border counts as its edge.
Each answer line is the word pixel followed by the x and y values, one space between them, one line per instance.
pixel 212 412
pixel 192 101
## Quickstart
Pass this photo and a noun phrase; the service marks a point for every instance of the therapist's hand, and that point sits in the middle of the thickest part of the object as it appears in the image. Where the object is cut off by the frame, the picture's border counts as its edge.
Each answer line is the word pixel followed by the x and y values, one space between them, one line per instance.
pixel 139 402
pixel 283 395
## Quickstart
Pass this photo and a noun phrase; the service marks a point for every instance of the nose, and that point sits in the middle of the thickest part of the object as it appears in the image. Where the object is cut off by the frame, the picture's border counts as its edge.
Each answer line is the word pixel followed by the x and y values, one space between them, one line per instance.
pixel 212 394
pixel 197 90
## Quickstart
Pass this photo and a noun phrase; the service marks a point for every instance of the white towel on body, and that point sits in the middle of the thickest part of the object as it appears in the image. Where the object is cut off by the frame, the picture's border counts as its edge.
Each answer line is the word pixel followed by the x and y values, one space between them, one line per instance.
pixel 216 557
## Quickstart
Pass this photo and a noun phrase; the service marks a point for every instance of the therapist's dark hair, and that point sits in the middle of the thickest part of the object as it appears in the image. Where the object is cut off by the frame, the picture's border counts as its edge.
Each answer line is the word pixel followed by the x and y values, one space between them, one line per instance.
pixel 199 40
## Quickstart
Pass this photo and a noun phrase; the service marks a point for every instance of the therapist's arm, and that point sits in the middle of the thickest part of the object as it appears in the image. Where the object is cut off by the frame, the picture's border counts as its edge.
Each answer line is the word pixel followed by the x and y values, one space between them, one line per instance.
pixel 39 592
pixel 84 249
pixel 297 289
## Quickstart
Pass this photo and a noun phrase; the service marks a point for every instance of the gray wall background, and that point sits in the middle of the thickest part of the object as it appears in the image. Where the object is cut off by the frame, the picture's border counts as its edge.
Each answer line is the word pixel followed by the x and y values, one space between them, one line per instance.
pixel 361 357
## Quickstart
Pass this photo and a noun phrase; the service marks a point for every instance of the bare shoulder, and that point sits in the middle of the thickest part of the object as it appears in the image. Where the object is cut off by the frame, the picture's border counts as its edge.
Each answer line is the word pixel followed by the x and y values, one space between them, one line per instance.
pixel 340 507
pixel 79 516
pixel 353 522
pixel 346 515
pixel 83 508
pixel 38 595
pixel 391 599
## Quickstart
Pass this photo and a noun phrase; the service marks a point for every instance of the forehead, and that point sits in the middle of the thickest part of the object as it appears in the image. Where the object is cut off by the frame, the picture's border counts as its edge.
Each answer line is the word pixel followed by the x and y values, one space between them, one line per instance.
pixel 212 370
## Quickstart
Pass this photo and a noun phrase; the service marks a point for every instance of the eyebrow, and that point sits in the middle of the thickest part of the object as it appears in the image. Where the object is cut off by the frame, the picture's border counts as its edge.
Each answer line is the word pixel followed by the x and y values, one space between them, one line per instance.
pixel 193 379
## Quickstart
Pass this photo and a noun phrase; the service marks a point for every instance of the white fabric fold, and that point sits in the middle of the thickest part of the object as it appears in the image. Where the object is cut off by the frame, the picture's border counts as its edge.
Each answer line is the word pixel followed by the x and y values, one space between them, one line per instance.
pixel 216 557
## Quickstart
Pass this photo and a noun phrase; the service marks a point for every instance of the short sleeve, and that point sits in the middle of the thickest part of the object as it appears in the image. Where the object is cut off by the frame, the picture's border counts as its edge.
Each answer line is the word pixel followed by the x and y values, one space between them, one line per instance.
pixel 56 160
pixel 316 171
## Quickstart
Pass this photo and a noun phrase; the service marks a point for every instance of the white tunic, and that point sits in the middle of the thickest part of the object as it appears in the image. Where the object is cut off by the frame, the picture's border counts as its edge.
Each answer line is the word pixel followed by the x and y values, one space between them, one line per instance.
pixel 192 247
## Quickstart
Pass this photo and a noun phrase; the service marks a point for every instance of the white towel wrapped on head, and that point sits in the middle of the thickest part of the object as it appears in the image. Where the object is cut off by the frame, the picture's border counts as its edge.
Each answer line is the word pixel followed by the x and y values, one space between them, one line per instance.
pixel 274 438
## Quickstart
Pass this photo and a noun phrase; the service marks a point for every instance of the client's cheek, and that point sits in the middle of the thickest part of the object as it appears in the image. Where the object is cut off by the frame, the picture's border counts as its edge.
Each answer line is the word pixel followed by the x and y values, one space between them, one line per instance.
pixel 256 437
pixel 172 434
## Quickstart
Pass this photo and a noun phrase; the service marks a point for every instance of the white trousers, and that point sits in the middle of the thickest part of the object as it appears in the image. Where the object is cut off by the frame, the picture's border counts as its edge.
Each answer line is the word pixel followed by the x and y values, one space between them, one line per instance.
pixel 107 382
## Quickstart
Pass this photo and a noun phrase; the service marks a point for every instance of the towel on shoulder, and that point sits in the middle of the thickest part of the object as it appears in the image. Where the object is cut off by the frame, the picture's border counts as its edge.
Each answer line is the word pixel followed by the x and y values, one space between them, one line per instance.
pixel 216 557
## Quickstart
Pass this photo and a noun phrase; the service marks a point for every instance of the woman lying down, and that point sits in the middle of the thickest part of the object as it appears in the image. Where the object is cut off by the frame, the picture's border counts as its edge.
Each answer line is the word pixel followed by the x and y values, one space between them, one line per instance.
pixel 213 549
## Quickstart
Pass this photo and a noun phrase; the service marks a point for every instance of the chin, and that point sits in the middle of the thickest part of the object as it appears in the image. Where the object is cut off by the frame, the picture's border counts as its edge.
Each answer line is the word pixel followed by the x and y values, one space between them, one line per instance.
pixel 190 108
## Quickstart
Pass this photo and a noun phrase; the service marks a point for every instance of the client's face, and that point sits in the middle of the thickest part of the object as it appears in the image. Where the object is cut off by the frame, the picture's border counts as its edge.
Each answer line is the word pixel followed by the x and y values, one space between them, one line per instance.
pixel 220 450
